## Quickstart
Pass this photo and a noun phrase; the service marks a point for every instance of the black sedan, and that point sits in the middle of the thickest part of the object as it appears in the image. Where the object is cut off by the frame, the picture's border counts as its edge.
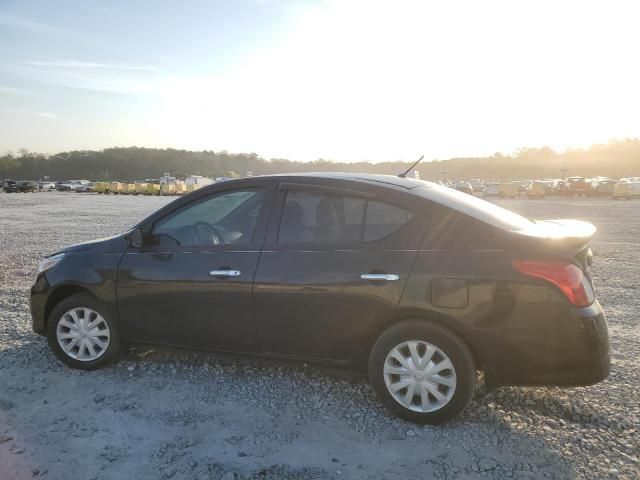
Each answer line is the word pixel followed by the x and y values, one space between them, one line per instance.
pixel 418 283
pixel 11 186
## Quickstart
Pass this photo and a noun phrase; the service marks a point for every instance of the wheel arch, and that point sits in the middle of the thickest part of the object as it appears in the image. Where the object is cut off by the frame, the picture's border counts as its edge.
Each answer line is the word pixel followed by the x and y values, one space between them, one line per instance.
pixel 59 294
pixel 414 314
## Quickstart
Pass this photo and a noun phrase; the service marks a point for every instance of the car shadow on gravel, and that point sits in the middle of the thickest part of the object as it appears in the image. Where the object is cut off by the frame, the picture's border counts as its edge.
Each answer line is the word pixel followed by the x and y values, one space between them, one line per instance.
pixel 173 414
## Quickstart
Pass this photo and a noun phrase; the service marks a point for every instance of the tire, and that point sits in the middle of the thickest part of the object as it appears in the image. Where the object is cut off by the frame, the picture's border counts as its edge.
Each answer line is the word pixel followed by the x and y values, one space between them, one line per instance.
pixel 447 345
pixel 105 332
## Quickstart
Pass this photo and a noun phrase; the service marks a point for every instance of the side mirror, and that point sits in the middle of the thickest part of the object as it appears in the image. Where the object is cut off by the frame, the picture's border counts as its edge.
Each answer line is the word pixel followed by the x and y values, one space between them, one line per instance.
pixel 134 237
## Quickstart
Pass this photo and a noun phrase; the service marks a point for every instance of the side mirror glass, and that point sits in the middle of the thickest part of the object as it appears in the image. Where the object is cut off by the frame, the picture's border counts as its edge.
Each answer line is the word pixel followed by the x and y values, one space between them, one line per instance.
pixel 135 238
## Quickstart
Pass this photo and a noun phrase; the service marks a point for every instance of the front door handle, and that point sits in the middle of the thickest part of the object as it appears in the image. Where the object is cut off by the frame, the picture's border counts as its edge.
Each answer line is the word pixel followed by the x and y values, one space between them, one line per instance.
pixel 225 273
pixel 384 277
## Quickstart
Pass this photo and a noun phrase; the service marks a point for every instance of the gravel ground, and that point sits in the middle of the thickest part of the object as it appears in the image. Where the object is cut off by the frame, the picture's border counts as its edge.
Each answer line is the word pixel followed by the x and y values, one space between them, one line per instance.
pixel 161 415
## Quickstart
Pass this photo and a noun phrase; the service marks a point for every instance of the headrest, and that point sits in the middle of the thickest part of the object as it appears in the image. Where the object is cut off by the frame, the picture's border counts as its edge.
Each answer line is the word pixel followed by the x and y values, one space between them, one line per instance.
pixel 326 214
pixel 293 213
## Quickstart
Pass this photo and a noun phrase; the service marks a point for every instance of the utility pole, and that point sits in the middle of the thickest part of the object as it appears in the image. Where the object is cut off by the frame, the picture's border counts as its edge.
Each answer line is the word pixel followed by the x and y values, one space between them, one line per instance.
pixel 564 173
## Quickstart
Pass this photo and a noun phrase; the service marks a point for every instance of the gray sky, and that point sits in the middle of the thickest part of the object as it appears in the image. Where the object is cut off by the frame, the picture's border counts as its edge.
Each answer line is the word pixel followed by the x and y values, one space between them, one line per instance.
pixel 343 80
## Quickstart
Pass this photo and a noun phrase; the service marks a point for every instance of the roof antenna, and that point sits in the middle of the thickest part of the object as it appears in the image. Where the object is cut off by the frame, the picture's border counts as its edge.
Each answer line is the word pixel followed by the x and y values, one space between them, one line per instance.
pixel 404 174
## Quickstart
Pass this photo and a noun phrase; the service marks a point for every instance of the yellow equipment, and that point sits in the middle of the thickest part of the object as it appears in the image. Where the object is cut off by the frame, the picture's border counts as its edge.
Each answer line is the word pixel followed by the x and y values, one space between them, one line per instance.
pixel 153 189
pixel 621 190
pixel 194 186
pixel 101 187
pixel 168 189
pixel 536 190
pixel 117 187
pixel 508 190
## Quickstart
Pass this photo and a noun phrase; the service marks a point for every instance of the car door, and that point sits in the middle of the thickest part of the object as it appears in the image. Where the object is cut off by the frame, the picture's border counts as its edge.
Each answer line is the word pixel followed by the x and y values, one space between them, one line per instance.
pixel 191 282
pixel 334 265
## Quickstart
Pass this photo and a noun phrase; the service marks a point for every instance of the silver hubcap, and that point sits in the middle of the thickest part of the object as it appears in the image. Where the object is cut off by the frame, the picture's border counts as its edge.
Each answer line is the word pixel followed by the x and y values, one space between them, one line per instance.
pixel 83 334
pixel 419 376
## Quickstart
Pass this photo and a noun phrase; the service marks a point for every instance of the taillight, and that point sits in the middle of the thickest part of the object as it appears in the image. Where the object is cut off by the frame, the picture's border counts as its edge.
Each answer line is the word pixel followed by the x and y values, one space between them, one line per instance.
pixel 569 278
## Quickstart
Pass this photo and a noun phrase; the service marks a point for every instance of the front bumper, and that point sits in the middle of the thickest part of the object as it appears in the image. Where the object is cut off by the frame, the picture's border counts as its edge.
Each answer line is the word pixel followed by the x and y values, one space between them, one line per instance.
pixel 38 301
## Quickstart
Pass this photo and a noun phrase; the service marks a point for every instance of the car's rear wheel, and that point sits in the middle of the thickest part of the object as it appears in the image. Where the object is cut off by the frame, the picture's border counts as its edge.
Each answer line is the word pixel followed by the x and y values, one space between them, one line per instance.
pixel 422 372
pixel 81 332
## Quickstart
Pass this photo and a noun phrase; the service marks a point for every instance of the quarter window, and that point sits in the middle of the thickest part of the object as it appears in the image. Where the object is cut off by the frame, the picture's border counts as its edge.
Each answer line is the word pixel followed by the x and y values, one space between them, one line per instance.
pixel 318 218
pixel 383 219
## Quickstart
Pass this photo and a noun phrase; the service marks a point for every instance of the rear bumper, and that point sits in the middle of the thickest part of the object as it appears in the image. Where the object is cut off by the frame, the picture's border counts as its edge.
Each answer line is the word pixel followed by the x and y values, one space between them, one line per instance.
pixel 577 354
pixel 595 362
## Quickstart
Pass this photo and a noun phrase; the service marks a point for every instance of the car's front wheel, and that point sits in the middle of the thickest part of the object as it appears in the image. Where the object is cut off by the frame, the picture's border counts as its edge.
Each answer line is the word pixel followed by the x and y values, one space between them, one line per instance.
pixel 81 332
pixel 422 372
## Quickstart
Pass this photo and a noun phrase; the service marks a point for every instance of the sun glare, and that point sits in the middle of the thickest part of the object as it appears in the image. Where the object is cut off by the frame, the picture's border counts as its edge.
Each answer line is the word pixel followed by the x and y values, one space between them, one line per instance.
pixel 379 81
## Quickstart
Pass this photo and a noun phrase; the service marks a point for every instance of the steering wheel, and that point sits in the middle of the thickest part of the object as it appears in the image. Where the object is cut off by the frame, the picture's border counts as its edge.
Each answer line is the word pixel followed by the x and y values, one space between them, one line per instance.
pixel 206 234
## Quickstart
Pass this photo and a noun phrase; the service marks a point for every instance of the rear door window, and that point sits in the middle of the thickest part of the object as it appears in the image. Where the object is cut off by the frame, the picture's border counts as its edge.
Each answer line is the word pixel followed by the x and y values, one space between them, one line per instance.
pixel 311 217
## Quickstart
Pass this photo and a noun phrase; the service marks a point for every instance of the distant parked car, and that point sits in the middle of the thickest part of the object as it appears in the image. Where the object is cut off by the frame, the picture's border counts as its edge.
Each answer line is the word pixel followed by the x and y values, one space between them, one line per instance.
pixel 46 186
pixel 420 284
pixel 521 186
pixel 9 186
pixel 23 186
pixel 491 190
pixel 26 186
pixel 603 186
pixel 626 190
pixel 578 187
pixel 197 181
pixel 63 186
pixel 554 186
pixel 85 187
pixel 71 185
pixel 634 188
pixel 464 187
pixel 477 185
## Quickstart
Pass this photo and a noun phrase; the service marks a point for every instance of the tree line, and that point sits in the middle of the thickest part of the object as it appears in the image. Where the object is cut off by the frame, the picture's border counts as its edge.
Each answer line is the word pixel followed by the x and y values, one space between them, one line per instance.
pixel 618 158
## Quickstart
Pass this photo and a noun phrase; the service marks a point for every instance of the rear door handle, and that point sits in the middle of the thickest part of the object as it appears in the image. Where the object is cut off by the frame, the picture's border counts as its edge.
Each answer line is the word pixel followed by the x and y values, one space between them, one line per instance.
pixel 385 277
pixel 225 273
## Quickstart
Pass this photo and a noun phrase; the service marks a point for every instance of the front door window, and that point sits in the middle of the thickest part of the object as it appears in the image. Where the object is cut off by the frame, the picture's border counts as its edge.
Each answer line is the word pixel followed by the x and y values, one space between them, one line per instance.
pixel 228 218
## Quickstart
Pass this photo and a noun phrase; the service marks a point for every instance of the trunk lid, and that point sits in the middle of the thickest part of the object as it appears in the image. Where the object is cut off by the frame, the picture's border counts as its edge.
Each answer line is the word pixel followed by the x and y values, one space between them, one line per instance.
pixel 569 232
pixel 562 239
